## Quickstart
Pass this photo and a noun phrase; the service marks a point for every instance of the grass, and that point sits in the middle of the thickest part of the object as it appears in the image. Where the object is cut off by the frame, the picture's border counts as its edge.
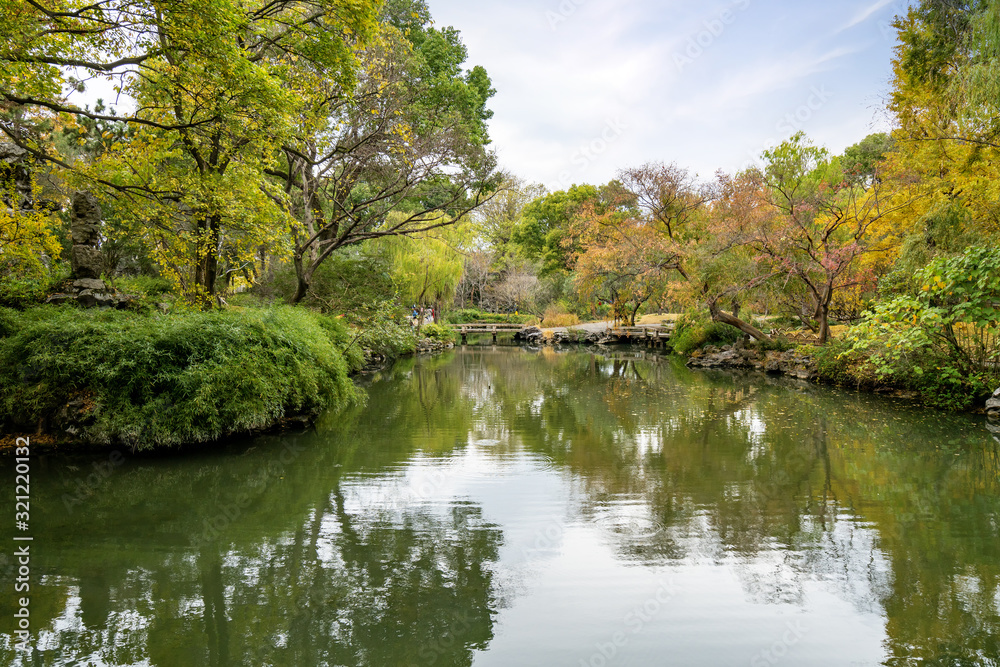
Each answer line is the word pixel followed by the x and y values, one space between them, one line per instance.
pixel 152 381
pixel 554 317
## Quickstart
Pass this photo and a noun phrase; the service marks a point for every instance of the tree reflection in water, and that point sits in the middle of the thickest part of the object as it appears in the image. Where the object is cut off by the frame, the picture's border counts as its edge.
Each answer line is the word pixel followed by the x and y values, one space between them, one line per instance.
pixel 359 545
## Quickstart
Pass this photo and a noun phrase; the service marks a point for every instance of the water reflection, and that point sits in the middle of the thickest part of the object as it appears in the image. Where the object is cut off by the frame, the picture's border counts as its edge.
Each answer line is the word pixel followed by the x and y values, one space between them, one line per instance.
pixel 496 507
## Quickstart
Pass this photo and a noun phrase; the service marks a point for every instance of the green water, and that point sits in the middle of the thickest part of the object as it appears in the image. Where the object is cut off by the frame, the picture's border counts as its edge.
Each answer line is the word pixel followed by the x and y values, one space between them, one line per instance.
pixel 501 507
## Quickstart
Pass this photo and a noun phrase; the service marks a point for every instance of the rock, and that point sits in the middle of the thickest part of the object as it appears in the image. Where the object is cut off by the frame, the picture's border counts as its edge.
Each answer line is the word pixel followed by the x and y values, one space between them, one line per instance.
pixel 59 299
pixel 89 283
pixel 86 234
pixel 13 167
pixel 86 261
pixel 85 257
pixel 86 210
pixel 726 359
pixel 794 365
pixel 532 335
pixel 86 298
pixel 16 189
pixel 11 154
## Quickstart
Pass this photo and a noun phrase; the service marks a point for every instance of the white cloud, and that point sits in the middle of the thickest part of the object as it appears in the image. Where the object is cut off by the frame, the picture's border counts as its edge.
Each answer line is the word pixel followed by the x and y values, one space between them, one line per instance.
pixel 615 60
pixel 866 13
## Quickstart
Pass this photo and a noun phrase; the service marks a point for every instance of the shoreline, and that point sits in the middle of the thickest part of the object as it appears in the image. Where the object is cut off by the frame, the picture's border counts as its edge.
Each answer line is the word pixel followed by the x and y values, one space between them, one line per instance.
pixel 794 364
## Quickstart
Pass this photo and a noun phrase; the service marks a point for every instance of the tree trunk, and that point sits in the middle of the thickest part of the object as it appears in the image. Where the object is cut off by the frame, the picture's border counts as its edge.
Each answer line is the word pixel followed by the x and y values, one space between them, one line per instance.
pixel 824 323
pixel 823 314
pixel 207 266
pixel 718 315
pixel 303 276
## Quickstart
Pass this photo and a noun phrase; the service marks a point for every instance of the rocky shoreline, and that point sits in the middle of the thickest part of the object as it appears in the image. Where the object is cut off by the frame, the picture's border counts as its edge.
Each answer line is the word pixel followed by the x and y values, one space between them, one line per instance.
pixel 536 337
pixel 431 346
pixel 792 363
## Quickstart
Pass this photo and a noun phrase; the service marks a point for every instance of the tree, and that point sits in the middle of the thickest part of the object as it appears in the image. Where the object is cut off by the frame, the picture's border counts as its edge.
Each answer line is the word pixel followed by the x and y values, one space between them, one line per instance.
pixel 426 268
pixel 623 260
pixel 820 223
pixel 544 227
pixel 27 232
pixel 945 103
pixel 410 137
pixel 724 271
pixel 669 195
pixel 497 219
pixel 211 83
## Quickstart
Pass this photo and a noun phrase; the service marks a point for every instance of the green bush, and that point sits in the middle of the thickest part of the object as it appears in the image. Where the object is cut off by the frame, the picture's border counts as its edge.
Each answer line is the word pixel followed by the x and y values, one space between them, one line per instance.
pixel 24 292
pixel 438 332
pixel 474 315
pixel 345 339
pixel 835 362
pixel 695 331
pixel 387 337
pixel 355 281
pixel 162 380
pixel 776 344
pixel 940 339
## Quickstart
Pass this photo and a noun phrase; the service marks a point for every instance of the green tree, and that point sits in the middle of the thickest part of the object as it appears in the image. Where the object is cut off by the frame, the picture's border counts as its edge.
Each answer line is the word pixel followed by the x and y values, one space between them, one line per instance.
pixel 426 269
pixel 211 83
pixel 409 137
pixel 545 226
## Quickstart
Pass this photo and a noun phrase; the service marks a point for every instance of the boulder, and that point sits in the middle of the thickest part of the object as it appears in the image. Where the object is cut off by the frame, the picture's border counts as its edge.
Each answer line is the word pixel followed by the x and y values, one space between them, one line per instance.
pixel 994 428
pixel 993 405
pixel 59 299
pixel 86 261
pixel 89 283
pixel 725 359
pixel 86 234
pixel 532 335
pixel 85 228
pixel 86 210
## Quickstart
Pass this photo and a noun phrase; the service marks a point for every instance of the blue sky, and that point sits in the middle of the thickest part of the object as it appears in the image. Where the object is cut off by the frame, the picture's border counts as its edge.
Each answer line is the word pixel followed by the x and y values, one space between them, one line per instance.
pixel 586 87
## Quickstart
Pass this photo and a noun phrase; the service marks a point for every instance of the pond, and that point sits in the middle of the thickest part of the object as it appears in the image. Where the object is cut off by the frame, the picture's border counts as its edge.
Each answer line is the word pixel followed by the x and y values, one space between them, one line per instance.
pixel 502 506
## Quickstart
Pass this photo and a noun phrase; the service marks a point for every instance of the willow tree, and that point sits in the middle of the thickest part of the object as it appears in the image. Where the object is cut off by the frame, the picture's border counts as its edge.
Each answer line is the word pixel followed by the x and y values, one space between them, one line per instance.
pixel 211 83
pixel 426 268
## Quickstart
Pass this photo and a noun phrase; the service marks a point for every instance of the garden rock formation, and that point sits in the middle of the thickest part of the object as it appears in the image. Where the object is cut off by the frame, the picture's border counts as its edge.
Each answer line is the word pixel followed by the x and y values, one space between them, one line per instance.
pixel 791 363
pixel 86 259
pixel 993 405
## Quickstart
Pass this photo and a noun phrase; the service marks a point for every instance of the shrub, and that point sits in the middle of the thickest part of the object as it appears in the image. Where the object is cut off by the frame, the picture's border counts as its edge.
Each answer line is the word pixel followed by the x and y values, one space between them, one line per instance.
pixel 387 337
pixel 438 332
pixel 556 316
pixel 144 286
pixel 694 331
pixel 474 315
pixel 162 380
pixel 354 280
pixel 26 291
pixel 776 344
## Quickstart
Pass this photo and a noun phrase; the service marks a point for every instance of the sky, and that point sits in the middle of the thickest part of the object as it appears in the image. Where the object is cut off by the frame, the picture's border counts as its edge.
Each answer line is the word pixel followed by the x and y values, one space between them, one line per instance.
pixel 588 87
